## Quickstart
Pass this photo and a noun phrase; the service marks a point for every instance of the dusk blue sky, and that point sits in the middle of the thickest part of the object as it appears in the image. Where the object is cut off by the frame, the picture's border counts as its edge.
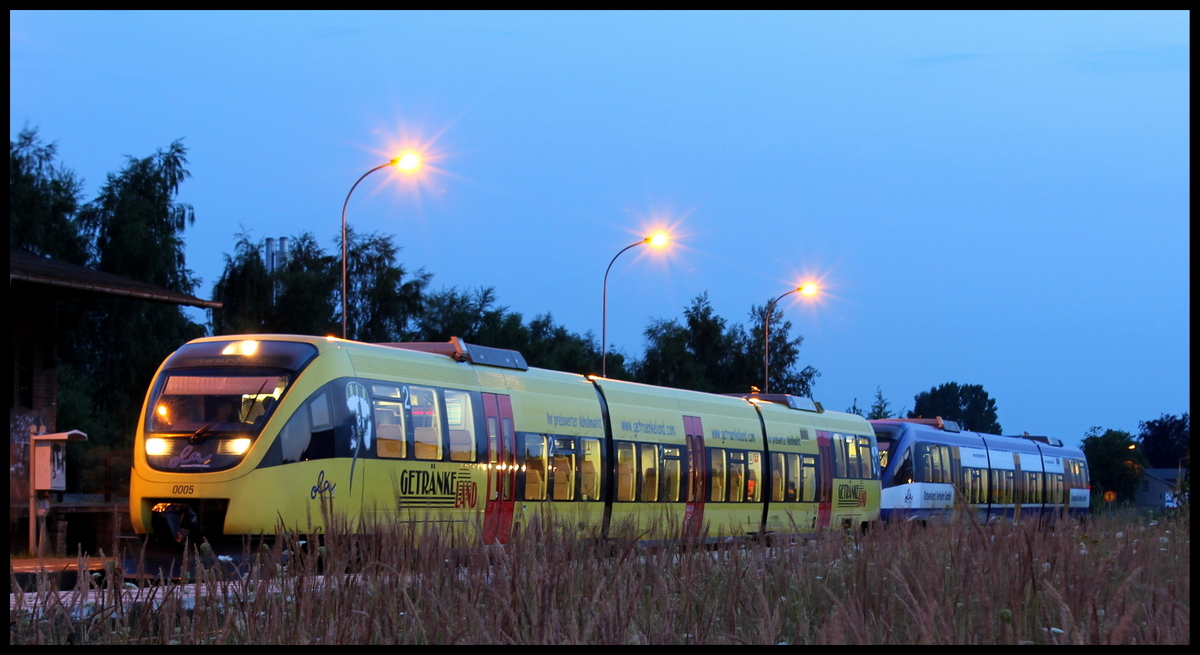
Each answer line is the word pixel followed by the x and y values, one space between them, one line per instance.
pixel 987 198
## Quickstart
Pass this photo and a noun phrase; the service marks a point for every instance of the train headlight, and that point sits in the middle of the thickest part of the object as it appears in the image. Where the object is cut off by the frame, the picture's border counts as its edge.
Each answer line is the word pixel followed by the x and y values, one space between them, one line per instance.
pixel 156 447
pixel 238 446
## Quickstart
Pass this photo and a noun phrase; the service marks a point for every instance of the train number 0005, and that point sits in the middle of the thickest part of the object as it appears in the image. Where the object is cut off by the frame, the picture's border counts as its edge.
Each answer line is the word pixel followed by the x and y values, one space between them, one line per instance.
pixel 184 489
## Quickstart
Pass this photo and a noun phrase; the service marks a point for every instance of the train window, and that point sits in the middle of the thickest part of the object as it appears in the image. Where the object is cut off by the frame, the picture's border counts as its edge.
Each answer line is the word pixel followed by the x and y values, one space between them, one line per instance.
pixel 716 469
pixel 870 461
pixel 978 485
pixel 427 426
pixel 391 441
pixel 777 477
pixel 1076 473
pixel 933 463
pixel 853 464
pixel 941 455
pixel 460 417
pixel 535 467
pixel 1033 487
pixel 754 477
pixel 589 470
pixel 904 469
pixel 510 457
pixel 808 479
pixel 1056 488
pixel 493 437
pixel 1002 487
pixel 794 486
pixel 295 435
pixel 626 470
pixel 321 440
pixel 563 469
pixel 672 472
pixel 322 417
pixel 839 457
pixel 649 472
pixel 737 476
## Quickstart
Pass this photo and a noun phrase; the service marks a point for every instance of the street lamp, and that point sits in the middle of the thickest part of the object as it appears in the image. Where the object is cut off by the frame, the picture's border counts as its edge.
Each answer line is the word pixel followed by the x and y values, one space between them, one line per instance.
pixel 657 240
pixel 807 289
pixel 408 162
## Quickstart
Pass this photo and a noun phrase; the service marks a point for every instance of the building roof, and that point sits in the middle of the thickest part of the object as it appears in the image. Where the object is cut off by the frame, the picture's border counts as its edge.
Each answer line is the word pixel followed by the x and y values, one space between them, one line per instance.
pixel 1166 475
pixel 34 269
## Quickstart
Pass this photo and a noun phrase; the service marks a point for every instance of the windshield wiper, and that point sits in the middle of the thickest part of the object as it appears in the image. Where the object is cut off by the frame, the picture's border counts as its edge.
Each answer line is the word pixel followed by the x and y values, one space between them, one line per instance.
pixel 204 430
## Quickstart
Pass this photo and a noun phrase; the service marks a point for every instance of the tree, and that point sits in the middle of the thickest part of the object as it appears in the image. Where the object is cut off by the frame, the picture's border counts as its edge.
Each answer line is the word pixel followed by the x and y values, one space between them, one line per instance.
pixel 705 353
pixel 306 300
pixel 1114 462
pixel 472 316
pixel 854 408
pixel 702 354
pixel 244 291
pixel 1166 440
pixel 667 362
pixel 382 304
pixel 968 405
pixel 785 353
pixel 137 227
pixel 43 200
pixel 554 347
pixel 879 409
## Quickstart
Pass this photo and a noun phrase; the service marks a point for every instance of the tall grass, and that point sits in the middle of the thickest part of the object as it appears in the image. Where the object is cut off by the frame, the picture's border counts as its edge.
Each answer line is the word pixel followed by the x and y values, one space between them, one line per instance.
pixel 1112 579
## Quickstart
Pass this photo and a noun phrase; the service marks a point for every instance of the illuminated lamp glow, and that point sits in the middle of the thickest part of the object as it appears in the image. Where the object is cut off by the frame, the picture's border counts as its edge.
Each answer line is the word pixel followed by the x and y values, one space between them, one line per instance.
pixel 156 447
pixel 408 161
pixel 162 411
pixel 241 348
pixel 808 289
pixel 239 446
pixel 658 239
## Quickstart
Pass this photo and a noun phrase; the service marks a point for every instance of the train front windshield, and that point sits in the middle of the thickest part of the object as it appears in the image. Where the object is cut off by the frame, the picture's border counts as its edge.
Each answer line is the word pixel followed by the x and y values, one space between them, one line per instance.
pixel 212 400
pixel 218 402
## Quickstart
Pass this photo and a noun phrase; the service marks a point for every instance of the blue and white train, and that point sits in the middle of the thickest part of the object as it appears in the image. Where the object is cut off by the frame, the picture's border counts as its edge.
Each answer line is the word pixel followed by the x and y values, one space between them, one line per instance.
pixel 930 465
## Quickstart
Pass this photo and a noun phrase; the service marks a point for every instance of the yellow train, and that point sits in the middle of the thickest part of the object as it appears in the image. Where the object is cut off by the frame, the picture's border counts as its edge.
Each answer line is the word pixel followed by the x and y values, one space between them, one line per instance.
pixel 243 434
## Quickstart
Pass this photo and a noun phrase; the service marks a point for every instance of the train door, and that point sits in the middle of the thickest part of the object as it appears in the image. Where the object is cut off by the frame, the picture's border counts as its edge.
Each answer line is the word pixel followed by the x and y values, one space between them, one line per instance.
pixel 824 479
pixel 502 469
pixel 1019 487
pixel 693 518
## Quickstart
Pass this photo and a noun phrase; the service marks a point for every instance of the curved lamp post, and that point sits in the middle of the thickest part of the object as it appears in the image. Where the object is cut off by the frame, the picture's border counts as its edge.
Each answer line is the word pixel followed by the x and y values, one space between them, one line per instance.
pixel 407 162
pixel 806 289
pixel 658 240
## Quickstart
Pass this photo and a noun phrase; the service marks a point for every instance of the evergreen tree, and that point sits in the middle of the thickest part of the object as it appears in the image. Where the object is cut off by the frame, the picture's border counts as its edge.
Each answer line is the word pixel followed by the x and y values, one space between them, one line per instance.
pixel 706 354
pixel 879 409
pixel 968 405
